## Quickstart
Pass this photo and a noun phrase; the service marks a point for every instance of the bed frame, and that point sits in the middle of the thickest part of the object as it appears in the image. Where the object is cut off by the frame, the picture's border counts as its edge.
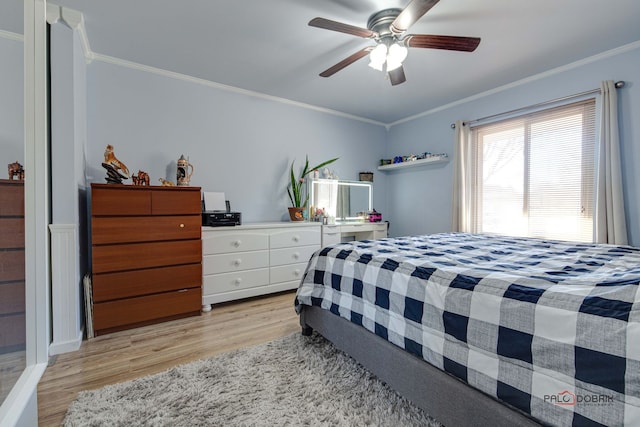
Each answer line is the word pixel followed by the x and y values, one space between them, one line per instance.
pixel 443 396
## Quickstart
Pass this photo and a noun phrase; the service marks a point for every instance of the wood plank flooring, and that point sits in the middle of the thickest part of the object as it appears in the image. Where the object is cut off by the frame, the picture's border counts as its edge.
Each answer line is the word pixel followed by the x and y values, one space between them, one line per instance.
pixel 126 355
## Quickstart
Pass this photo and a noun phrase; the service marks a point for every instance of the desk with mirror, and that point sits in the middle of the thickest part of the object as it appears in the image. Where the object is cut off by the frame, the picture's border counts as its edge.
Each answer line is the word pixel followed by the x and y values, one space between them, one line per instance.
pixel 346 204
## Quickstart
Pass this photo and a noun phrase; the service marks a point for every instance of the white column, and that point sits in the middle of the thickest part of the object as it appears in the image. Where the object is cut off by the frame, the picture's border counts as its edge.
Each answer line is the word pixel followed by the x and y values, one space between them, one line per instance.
pixel 68 137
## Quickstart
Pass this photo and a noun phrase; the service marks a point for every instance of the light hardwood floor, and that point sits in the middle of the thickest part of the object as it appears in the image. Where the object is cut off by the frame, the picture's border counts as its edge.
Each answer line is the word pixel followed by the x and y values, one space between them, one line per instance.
pixel 126 355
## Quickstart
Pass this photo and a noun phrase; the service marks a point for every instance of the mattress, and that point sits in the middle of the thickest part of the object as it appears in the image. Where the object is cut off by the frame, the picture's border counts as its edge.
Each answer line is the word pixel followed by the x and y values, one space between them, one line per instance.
pixel 549 327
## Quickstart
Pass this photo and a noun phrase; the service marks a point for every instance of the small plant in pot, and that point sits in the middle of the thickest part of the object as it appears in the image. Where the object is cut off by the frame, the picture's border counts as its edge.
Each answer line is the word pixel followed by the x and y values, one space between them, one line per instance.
pixel 297 190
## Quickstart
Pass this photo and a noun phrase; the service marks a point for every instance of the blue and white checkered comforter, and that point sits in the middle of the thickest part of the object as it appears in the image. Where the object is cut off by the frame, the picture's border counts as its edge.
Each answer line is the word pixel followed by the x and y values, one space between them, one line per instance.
pixel 552 328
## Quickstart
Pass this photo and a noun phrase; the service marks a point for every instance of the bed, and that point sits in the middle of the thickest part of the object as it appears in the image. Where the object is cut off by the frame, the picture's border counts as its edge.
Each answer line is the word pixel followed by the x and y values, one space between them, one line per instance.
pixel 487 330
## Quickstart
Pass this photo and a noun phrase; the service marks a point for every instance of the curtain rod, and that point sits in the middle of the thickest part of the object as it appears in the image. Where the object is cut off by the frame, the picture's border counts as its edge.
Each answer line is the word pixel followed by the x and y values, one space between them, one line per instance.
pixel 618 85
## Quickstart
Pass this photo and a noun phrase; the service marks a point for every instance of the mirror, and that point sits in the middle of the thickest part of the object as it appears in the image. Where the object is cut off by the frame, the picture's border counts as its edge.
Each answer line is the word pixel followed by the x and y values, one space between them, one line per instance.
pixel 12 261
pixel 343 200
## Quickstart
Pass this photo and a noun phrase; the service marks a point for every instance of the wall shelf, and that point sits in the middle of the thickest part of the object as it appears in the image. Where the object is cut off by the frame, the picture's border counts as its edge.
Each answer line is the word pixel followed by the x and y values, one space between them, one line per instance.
pixel 422 162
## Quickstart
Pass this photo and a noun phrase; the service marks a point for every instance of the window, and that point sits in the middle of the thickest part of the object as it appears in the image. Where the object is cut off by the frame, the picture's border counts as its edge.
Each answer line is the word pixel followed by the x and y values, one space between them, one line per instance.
pixel 534 174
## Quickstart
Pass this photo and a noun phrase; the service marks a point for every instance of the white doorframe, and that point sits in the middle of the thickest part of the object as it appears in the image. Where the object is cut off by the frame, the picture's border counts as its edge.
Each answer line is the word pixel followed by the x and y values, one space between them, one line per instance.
pixel 20 406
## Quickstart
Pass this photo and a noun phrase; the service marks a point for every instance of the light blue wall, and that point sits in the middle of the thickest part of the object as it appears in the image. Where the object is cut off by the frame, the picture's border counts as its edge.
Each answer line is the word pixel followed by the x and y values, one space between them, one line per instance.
pixel 420 199
pixel 238 143
pixel 242 144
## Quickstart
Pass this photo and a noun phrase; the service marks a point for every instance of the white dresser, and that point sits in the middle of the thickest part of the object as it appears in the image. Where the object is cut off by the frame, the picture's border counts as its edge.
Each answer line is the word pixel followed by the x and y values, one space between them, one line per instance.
pixel 353 231
pixel 255 259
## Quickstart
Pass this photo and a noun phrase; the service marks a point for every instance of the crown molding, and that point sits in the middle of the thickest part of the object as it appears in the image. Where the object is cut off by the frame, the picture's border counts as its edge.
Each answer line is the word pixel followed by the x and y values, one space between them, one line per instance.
pixel 227 88
pixel 73 18
pixel 75 21
pixel 53 13
pixel 11 36
pixel 84 41
pixel 387 126
pixel 597 57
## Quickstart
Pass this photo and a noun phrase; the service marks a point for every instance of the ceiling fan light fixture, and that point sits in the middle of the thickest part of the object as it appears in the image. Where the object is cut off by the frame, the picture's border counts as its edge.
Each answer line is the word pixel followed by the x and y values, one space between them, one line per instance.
pixel 397 53
pixel 376 65
pixel 392 65
pixel 378 56
pixel 379 53
pixel 387 28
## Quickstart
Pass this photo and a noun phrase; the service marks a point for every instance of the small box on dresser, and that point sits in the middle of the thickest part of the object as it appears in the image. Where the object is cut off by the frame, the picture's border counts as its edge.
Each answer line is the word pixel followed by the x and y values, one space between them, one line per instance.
pixel 146 255
pixel 255 259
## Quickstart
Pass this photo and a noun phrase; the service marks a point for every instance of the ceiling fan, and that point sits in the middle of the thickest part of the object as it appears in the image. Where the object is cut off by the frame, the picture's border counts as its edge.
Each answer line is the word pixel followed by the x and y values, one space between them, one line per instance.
pixel 387 28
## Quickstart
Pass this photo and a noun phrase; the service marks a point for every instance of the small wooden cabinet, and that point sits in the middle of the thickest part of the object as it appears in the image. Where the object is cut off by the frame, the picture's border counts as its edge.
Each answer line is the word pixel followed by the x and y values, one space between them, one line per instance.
pixel 255 259
pixel 146 255
pixel 12 273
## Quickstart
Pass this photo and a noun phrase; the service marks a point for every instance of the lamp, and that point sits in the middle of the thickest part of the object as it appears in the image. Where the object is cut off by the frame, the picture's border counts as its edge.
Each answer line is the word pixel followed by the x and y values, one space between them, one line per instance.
pixel 392 56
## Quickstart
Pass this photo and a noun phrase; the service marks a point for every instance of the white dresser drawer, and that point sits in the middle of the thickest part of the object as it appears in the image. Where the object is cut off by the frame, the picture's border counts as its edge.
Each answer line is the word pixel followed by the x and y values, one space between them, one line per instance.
pixel 380 231
pixel 218 283
pixel 255 259
pixel 220 242
pixel 330 228
pixel 224 263
pixel 292 255
pixel 331 235
pixel 295 237
pixel 287 273
pixel 356 228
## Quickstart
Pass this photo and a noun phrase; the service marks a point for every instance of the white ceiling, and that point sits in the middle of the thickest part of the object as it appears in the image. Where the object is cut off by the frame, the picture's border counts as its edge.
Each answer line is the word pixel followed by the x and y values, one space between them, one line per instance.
pixel 265 46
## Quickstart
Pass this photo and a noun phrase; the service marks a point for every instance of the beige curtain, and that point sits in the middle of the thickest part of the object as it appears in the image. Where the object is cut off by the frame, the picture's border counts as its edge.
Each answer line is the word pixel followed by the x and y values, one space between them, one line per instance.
pixel 461 210
pixel 609 221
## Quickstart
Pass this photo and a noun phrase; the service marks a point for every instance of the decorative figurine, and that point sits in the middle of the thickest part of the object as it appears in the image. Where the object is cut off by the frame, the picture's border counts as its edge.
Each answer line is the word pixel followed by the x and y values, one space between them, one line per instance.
pixel 166 183
pixel 141 179
pixel 113 175
pixel 111 159
pixel 16 169
pixel 183 176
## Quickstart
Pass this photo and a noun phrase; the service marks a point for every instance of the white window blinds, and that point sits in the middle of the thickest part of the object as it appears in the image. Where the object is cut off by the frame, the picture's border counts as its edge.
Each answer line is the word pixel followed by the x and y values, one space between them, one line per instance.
pixel 534 174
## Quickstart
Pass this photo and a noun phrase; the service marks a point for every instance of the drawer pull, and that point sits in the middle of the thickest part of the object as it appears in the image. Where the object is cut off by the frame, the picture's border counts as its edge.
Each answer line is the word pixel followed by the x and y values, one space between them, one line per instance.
pixel 296 273
pixel 296 255
pixel 296 239
pixel 237 281
pixel 181 225
pixel 237 262
pixel 237 243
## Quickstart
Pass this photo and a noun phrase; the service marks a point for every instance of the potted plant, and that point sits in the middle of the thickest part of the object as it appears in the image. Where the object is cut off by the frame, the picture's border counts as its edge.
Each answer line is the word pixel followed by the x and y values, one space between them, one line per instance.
pixel 297 190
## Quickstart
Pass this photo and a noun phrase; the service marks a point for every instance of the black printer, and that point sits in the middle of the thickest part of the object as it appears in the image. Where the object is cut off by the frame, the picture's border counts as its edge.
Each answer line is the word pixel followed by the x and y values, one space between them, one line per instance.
pixel 221 218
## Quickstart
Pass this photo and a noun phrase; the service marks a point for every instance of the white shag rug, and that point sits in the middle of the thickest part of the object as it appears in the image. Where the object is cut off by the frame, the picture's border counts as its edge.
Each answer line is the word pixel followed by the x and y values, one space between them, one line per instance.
pixel 295 381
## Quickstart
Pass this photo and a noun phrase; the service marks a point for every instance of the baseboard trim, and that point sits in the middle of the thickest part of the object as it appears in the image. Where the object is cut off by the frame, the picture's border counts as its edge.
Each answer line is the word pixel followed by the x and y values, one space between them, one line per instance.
pixel 65 289
pixel 61 347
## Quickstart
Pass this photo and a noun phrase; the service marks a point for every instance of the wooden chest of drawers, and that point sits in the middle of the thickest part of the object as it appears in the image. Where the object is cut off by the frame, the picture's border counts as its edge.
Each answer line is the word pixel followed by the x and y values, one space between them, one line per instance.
pixel 255 259
pixel 12 273
pixel 146 255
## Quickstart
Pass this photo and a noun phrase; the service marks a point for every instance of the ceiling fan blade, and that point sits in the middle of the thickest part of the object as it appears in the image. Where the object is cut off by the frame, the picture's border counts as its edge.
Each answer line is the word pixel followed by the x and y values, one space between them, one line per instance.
pixel 464 44
pixel 396 76
pixel 347 61
pixel 328 24
pixel 410 14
